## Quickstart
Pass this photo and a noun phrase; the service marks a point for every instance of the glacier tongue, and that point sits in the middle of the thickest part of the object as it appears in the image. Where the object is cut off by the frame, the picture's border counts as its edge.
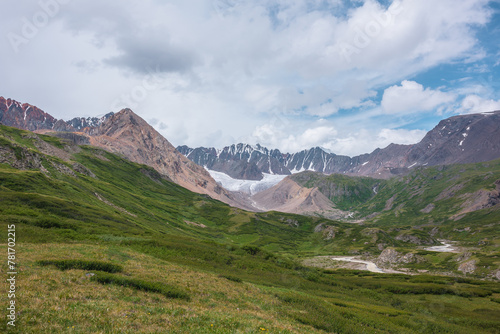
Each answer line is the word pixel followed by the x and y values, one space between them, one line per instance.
pixel 247 186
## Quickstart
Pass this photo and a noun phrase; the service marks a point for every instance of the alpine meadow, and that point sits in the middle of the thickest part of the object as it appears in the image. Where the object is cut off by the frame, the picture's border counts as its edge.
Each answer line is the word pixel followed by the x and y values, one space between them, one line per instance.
pixel 241 167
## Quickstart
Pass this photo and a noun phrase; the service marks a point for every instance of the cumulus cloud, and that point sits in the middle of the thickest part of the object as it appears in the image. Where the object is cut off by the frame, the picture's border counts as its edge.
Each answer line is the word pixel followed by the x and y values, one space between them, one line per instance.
pixel 399 136
pixel 293 45
pixel 287 140
pixel 227 66
pixel 350 140
pixel 412 97
pixel 475 104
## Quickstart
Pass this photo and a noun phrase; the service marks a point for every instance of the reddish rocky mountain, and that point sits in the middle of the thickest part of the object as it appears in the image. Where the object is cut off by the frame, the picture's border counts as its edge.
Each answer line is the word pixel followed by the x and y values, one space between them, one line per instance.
pixel 455 140
pixel 28 117
pixel 459 139
pixel 127 134
pixel 24 116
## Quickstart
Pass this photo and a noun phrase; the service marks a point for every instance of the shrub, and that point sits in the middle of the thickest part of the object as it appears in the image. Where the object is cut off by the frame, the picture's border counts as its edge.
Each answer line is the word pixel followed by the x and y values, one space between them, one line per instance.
pixel 166 290
pixel 48 223
pixel 231 278
pixel 252 250
pixel 82 264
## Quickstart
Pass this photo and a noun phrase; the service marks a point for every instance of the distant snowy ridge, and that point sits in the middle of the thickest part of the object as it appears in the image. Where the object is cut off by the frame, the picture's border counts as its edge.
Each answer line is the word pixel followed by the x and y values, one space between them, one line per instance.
pixel 461 139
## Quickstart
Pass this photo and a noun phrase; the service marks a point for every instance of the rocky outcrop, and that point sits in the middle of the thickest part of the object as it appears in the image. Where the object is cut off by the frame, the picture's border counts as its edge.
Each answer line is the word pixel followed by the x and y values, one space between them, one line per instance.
pixel 327 232
pixel 391 256
pixel 428 208
pixel 468 267
pixel 79 168
pixel 388 255
pixel 464 257
pixel 480 199
pixel 72 137
pixel 19 157
pixel 415 239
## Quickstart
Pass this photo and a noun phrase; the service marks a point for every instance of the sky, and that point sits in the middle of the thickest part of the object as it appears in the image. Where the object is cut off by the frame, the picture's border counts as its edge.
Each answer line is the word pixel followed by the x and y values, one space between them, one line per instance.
pixel 347 76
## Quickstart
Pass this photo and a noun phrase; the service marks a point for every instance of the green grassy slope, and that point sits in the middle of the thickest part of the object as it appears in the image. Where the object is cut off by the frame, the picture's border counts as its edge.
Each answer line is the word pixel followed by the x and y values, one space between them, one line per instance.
pixel 236 271
pixel 111 197
pixel 460 199
pixel 457 202
pixel 202 298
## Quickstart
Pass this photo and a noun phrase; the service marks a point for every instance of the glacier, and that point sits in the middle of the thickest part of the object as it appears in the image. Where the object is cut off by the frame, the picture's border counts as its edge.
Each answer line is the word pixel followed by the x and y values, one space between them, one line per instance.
pixel 247 186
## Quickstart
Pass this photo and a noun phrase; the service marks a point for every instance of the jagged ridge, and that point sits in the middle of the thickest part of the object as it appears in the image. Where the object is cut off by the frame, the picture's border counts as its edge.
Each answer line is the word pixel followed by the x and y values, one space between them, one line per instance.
pixel 28 117
pixel 459 139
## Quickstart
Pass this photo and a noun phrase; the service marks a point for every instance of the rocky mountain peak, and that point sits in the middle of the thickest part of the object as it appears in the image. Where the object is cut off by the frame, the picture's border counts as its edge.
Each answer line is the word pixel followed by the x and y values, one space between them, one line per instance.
pixel 127 134
pixel 460 139
pixel 24 116
pixel 28 117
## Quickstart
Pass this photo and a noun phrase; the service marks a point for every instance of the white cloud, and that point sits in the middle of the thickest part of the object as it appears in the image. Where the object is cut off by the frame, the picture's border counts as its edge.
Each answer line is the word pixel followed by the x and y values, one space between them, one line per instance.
pixel 367 140
pixel 399 136
pixel 287 140
pixel 412 97
pixel 321 134
pixel 351 140
pixel 228 66
pixel 475 104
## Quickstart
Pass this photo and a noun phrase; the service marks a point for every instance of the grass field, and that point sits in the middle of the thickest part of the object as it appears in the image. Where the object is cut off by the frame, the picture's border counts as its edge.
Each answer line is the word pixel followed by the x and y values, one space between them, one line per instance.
pixel 104 245
pixel 272 296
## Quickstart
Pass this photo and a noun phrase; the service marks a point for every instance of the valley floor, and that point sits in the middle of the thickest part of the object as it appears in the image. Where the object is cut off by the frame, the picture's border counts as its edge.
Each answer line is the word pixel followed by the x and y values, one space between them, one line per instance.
pixel 55 301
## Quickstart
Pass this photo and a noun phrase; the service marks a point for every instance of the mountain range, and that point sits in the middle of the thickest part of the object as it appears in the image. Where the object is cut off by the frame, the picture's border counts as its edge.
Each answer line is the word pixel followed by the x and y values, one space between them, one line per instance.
pixel 104 217
pixel 459 139
pixel 99 232
pixel 260 179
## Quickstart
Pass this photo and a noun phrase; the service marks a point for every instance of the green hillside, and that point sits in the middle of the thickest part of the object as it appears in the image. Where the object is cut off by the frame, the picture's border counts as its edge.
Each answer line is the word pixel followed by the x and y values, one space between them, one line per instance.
pixel 460 202
pixel 457 202
pixel 109 246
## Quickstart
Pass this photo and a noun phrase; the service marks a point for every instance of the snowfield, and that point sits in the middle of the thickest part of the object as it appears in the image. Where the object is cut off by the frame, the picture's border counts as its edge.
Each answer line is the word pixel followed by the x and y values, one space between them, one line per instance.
pixel 247 186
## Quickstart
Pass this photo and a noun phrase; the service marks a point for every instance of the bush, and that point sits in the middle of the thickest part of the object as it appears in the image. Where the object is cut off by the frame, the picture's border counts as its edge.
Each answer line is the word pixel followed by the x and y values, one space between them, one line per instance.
pixel 252 250
pixel 166 290
pixel 82 264
pixel 231 278
pixel 48 223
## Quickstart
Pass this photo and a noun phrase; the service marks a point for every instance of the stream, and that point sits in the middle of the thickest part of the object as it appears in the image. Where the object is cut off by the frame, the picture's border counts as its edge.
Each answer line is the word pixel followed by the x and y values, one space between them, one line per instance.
pixel 370 266
pixel 445 248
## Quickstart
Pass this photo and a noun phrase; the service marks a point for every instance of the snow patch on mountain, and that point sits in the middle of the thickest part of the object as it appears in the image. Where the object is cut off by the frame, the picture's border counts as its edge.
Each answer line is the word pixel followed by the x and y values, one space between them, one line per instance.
pixel 247 186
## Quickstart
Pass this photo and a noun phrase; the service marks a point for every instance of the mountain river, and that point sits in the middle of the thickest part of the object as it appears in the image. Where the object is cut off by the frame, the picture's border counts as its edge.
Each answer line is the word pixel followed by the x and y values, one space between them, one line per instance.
pixel 369 265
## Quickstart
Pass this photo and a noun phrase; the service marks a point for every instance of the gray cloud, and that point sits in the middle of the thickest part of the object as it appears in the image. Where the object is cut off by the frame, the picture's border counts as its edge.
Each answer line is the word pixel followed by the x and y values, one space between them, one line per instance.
pixel 143 54
pixel 225 69
pixel 141 47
